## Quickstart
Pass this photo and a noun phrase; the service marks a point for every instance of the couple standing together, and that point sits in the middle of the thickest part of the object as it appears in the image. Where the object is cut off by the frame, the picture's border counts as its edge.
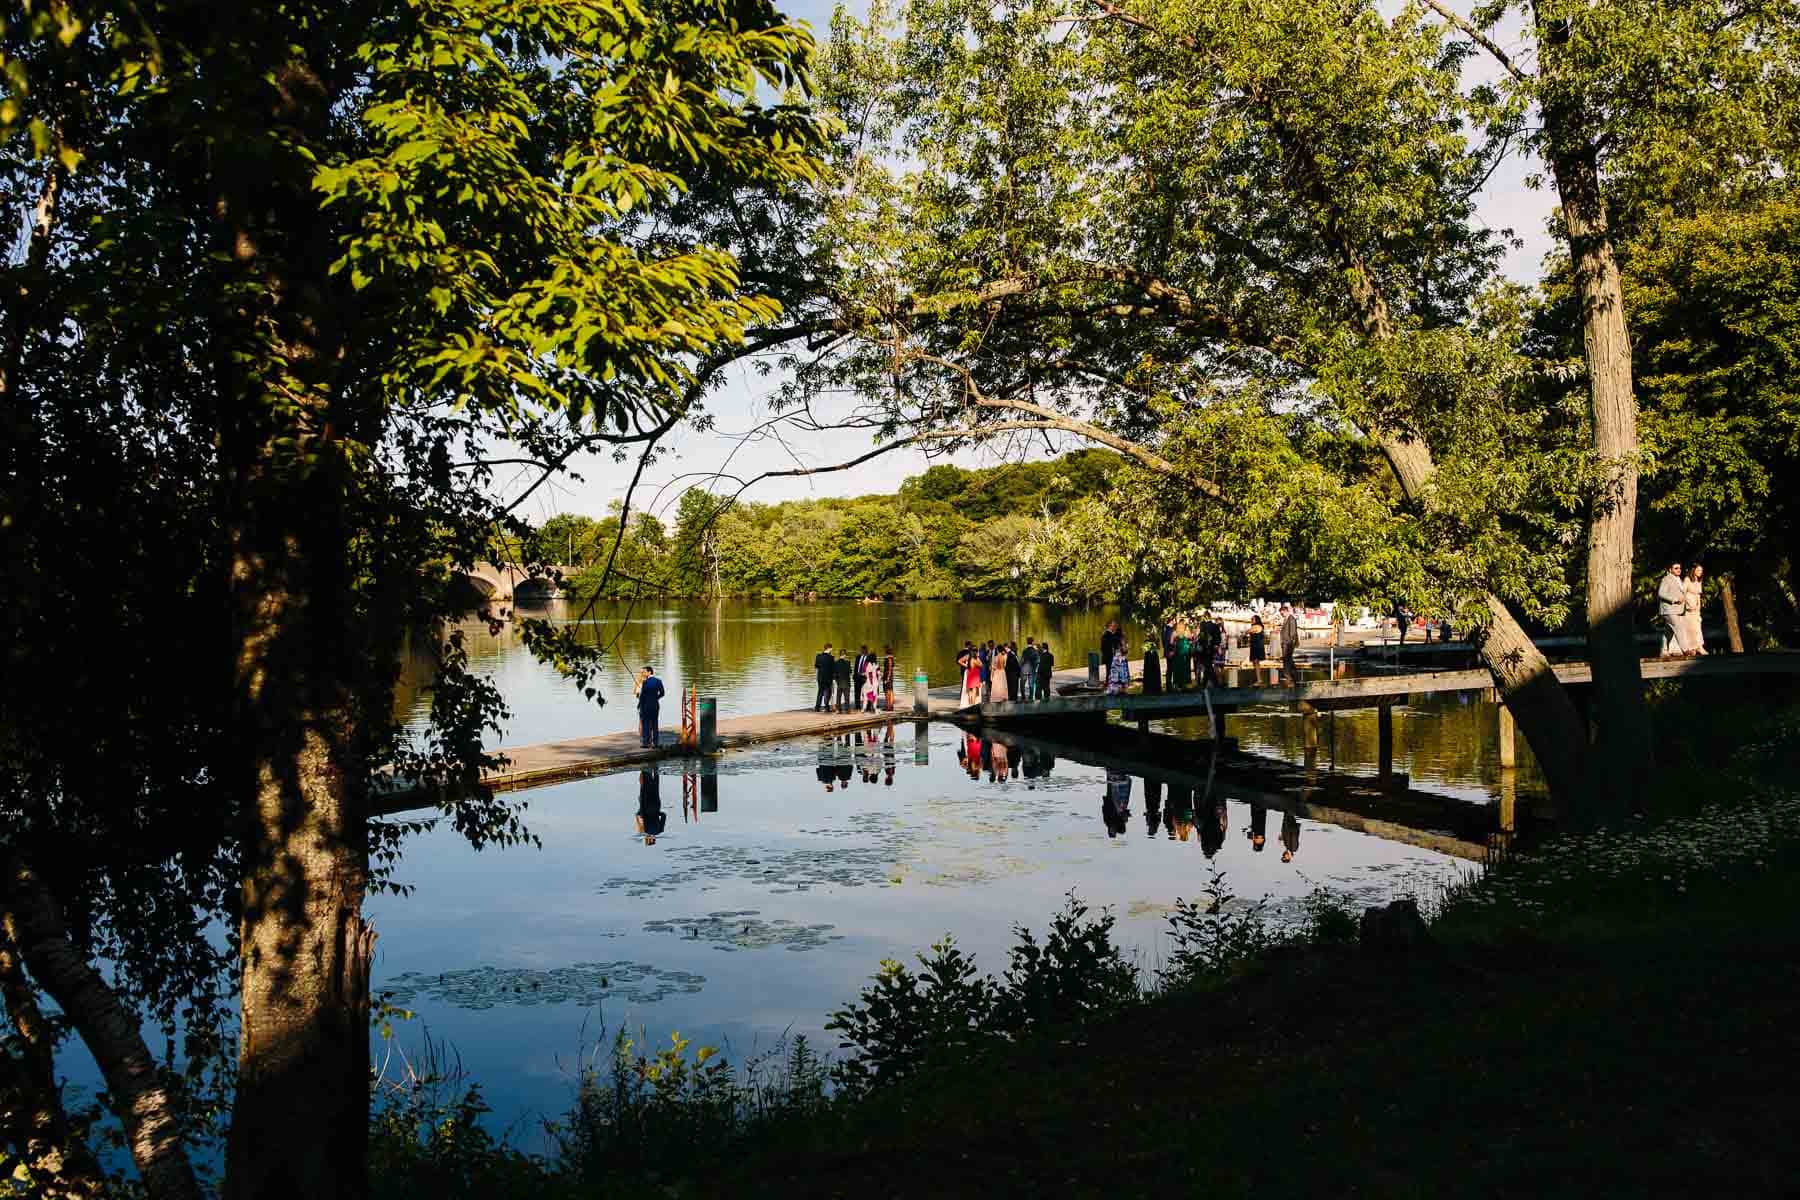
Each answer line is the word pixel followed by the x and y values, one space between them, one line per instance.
pixel 1678 602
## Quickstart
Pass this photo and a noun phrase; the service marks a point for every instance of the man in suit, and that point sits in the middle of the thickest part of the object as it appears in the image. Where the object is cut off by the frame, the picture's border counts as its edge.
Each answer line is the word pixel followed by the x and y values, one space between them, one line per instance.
pixel 1671 597
pixel 649 705
pixel 841 669
pixel 1046 664
pixel 1028 670
pixel 824 669
pixel 1290 639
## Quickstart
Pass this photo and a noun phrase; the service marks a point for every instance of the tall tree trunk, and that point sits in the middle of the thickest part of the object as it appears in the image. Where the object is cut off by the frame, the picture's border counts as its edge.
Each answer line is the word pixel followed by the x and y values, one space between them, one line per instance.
pixel 110 1030
pixel 1623 748
pixel 1734 631
pixel 289 437
pixel 300 1118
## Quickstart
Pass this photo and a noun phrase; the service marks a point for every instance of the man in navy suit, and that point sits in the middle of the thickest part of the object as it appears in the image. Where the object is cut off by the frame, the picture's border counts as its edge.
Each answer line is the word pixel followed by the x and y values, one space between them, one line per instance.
pixel 649 706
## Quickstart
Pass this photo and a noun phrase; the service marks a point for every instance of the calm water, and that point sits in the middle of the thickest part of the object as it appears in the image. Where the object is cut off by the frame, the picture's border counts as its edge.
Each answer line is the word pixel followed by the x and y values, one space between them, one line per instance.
pixel 783 877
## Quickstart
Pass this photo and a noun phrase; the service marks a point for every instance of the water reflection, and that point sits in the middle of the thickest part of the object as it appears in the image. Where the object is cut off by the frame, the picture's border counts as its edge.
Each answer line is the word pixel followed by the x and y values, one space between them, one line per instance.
pixel 796 868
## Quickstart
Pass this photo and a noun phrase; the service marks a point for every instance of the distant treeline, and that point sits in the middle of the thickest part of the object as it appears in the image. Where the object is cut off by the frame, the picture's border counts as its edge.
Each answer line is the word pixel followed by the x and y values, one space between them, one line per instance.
pixel 948 533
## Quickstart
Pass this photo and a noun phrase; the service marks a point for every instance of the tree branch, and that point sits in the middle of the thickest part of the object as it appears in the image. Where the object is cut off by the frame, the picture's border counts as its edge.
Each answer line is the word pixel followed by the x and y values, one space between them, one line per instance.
pixel 1480 39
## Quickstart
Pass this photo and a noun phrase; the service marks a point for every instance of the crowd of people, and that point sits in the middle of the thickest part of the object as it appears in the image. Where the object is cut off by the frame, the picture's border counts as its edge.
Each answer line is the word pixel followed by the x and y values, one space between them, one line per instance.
pixel 864 683
pixel 997 671
pixel 1679 599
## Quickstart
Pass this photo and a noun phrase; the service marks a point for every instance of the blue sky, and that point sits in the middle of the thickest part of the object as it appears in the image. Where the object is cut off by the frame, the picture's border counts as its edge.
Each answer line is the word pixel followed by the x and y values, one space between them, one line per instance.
pixel 1506 202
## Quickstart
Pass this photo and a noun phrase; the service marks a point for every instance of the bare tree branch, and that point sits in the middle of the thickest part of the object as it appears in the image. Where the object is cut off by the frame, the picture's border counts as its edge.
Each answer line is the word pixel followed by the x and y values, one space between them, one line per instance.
pixel 1480 39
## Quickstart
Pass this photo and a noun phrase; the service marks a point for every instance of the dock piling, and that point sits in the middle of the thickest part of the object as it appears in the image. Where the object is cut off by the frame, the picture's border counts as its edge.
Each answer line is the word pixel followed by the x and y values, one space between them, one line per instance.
pixel 1509 741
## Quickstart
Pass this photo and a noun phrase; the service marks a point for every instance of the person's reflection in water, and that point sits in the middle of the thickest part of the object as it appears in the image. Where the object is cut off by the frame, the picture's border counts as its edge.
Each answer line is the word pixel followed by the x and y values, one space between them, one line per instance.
pixel 1115 809
pixel 1290 835
pixel 887 756
pixel 651 820
pixel 987 758
pixel 1153 793
pixel 827 750
pixel 1180 819
pixel 842 767
pixel 1258 833
pixel 1213 824
pixel 1001 767
pixel 971 756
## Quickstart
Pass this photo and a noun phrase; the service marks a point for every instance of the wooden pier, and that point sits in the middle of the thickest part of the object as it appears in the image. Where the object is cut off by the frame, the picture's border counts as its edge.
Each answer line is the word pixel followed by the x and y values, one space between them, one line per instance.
pixel 556 762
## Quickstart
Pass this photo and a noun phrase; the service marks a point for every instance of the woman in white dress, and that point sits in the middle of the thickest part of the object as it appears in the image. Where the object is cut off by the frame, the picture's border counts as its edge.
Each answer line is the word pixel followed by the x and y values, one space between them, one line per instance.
pixel 871 684
pixel 1691 636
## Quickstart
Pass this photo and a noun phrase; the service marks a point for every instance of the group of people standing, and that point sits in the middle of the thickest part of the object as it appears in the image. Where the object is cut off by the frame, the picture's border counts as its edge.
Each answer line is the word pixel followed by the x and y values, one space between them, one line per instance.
pixel 865 683
pixel 1000 671
pixel 1679 599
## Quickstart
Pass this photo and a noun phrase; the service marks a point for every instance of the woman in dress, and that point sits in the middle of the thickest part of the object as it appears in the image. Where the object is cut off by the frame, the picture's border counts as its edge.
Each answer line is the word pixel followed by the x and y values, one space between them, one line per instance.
pixel 1000 675
pixel 872 684
pixel 1118 676
pixel 1259 639
pixel 1181 673
pixel 1693 585
pixel 970 662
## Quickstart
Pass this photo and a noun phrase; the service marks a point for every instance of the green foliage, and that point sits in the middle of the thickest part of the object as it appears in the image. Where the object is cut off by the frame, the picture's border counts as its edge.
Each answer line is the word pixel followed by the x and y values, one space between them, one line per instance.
pixel 947 1010
pixel 430 1141
pixel 948 533
pixel 1215 937
pixel 635 1108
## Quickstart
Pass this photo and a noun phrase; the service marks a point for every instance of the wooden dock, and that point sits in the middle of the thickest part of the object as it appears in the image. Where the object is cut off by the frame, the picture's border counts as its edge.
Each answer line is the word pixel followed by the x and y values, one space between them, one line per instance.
pixel 1137 706
pixel 556 762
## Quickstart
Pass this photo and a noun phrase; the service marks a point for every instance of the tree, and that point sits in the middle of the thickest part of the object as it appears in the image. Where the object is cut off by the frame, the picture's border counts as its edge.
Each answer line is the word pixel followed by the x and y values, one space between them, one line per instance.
pixel 296 273
pixel 1621 88
pixel 1207 271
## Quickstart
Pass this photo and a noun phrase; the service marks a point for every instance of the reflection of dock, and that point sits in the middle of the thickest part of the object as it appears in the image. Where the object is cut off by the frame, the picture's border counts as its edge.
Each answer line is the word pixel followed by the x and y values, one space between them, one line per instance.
pixel 1445 824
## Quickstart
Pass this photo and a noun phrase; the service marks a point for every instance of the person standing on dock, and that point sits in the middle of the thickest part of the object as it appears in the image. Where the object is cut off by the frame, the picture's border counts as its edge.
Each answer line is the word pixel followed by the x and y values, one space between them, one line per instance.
pixel 1152 669
pixel 1028 669
pixel 824 667
pixel 1111 642
pixel 888 668
pixel 650 694
pixel 841 672
pixel 1046 664
pixel 1000 674
pixel 1692 638
pixel 1259 639
pixel 1290 639
pixel 1671 604
pixel 1118 675
pixel 871 684
pixel 1015 670
pixel 970 662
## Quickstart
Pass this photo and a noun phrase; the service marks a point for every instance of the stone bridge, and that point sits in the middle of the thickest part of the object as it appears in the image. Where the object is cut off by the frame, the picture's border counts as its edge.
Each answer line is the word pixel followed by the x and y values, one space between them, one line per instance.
pixel 502 581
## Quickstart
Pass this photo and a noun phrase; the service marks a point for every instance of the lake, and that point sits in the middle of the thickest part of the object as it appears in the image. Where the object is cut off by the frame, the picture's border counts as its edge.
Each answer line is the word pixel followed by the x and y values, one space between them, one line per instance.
pixel 783 874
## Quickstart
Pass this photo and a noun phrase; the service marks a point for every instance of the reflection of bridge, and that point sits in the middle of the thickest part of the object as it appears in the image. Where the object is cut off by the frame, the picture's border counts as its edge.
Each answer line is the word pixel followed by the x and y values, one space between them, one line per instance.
pixel 502 581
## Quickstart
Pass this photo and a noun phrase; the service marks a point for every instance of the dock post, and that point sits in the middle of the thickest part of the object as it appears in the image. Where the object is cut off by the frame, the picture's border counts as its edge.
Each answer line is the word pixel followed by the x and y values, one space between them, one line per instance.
pixel 1218 717
pixel 921 743
pixel 1309 738
pixel 709 792
pixel 921 693
pixel 1384 724
pixel 1509 740
pixel 709 725
pixel 1093 668
pixel 1231 676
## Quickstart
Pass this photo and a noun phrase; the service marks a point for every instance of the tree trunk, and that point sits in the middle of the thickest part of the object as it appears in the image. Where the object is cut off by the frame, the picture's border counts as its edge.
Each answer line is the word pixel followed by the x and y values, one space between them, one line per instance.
pixel 1545 714
pixel 300 1118
pixel 110 1030
pixel 1623 749
pixel 1734 631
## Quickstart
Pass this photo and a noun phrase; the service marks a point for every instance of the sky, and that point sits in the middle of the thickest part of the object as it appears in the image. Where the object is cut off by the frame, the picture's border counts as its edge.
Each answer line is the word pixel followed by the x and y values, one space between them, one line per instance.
pixel 1506 203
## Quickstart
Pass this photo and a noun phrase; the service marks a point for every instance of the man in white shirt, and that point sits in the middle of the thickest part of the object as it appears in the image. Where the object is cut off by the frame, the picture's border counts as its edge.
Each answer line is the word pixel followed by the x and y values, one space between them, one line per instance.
pixel 1671 596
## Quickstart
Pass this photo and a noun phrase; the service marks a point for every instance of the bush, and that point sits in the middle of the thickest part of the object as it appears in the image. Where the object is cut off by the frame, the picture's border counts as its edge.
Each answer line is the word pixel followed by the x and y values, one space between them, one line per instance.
pixel 1075 976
